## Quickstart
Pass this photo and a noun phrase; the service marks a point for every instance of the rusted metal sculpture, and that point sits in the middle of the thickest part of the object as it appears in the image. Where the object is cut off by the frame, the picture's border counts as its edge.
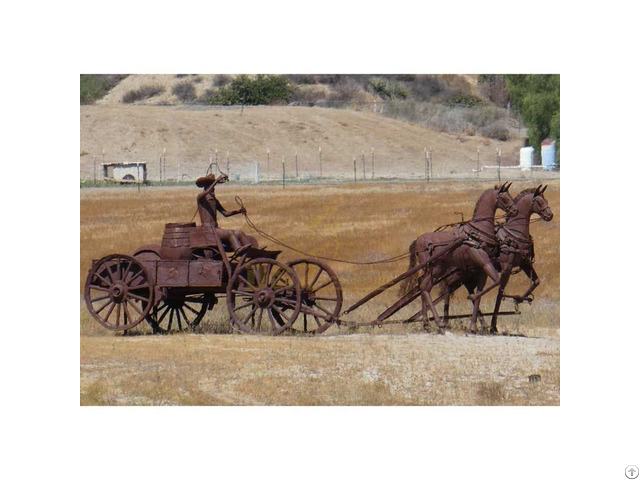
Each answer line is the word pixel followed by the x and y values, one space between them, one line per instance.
pixel 468 247
pixel 174 284
pixel 516 250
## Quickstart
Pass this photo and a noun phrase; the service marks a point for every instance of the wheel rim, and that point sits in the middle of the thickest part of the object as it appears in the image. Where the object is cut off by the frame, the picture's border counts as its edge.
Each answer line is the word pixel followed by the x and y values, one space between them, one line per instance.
pixel 263 296
pixel 118 292
pixel 179 313
pixel 321 296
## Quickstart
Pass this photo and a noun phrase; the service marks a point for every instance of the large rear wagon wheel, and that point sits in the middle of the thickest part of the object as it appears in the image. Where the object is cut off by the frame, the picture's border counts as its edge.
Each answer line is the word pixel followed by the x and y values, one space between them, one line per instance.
pixel 118 292
pixel 321 295
pixel 263 297
pixel 179 313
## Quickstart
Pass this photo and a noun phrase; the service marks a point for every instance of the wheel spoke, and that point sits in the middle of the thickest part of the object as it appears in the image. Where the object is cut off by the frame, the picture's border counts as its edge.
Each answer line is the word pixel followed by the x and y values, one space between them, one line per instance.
pixel 126 272
pixel 138 297
pixel 257 275
pixel 140 287
pixel 102 279
pixel 191 308
pixel 282 313
pixel 248 304
pixel 170 320
pixel 286 301
pixel 97 299
pixel 106 318
pixel 329 282
pixel 242 294
pixel 178 318
pixel 118 316
pixel 103 307
pixel 317 321
pixel 277 278
pixel 315 279
pixel 328 299
pixel 249 315
pixel 140 272
pixel 166 312
pixel 126 313
pixel 259 322
pixel 304 318
pixel 273 322
pixel 136 308
pixel 283 289
pixel 323 309
pixel 247 283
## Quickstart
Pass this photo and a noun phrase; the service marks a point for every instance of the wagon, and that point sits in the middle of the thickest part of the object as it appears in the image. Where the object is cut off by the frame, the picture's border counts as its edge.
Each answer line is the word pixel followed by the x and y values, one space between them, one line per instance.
pixel 173 285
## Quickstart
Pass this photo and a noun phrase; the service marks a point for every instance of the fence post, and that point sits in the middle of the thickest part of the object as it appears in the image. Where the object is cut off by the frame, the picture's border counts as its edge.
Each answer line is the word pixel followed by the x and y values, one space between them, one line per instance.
pixel 477 162
pixel 94 169
pixel 499 158
pixel 372 162
pixel 268 164
pixel 228 165
pixel 320 159
pixel 364 170
pixel 164 163
pixel 283 172
pixel 217 166
pixel 297 163
pixel 426 163
pixel 354 169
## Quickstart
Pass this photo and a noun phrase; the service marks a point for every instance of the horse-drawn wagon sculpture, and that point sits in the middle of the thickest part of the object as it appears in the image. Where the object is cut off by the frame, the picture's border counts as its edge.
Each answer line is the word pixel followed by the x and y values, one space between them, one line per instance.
pixel 173 285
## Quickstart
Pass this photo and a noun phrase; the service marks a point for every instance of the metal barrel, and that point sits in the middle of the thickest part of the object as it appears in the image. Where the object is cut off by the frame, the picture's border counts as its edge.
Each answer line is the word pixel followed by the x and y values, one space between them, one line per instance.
pixel 175 241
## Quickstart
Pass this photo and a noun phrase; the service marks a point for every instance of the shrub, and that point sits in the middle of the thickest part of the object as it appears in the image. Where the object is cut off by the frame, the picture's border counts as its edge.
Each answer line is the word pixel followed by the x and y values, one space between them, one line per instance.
pixel 464 99
pixel 221 80
pixel 261 90
pixel 497 130
pixel 309 94
pixel 302 79
pixel 94 87
pixel 425 87
pixel 144 92
pixel 387 89
pixel 185 91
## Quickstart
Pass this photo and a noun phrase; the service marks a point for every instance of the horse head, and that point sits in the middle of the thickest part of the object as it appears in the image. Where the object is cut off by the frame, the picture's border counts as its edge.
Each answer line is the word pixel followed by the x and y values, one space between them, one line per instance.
pixel 504 200
pixel 540 204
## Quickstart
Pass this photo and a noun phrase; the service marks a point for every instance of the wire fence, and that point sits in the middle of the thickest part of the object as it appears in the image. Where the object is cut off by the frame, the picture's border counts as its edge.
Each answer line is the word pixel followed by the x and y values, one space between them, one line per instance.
pixel 318 166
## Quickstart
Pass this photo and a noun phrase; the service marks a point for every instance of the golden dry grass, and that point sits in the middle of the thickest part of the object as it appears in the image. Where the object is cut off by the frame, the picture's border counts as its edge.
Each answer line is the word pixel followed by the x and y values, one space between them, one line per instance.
pixel 362 223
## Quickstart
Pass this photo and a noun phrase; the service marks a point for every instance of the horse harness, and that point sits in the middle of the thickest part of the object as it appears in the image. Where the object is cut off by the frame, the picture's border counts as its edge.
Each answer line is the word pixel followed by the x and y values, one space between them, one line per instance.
pixel 512 244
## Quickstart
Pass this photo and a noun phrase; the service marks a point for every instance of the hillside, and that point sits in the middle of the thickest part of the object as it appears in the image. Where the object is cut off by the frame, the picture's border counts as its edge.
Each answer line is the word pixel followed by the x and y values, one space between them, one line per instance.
pixel 191 134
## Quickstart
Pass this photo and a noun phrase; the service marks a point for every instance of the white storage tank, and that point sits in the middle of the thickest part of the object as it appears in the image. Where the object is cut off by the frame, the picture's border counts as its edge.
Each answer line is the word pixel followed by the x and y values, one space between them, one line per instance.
pixel 548 152
pixel 526 158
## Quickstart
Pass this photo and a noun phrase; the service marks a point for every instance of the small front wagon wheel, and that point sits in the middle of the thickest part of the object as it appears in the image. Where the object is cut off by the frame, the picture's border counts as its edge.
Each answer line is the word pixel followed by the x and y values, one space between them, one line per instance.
pixel 118 292
pixel 263 296
pixel 321 295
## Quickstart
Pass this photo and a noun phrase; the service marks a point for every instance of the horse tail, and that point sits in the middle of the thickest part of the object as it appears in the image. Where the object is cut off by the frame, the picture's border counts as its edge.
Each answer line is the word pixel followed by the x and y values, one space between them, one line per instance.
pixel 406 285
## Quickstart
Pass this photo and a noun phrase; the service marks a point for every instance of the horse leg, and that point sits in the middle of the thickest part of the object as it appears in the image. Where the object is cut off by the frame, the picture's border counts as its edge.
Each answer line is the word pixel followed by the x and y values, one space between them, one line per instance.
pixel 506 275
pixel 481 258
pixel 530 272
pixel 425 294
pixel 476 284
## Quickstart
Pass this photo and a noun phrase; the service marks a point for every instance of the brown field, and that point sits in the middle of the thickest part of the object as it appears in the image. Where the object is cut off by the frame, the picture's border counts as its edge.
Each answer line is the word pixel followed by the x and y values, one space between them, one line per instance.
pixel 398 364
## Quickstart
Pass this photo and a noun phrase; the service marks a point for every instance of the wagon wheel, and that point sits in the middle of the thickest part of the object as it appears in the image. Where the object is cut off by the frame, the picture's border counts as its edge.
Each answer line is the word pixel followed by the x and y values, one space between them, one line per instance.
pixel 263 296
pixel 179 313
pixel 321 295
pixel 118 292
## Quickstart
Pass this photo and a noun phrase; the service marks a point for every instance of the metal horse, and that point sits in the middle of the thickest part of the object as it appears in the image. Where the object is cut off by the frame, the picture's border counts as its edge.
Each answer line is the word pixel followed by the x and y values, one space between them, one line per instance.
pixel 515 251
pixel 469 247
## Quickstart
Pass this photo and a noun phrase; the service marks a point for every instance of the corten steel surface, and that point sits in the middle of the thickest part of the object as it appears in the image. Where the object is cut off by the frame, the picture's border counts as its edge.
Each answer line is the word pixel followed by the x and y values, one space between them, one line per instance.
pixel 468 247
pixel 516 250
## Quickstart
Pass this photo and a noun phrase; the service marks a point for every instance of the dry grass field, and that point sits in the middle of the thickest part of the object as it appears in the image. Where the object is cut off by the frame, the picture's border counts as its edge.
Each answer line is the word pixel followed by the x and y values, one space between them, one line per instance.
pixel 395 365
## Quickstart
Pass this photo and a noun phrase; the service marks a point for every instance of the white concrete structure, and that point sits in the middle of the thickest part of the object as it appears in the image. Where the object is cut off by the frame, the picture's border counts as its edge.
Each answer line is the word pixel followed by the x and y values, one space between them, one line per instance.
pixel 125 172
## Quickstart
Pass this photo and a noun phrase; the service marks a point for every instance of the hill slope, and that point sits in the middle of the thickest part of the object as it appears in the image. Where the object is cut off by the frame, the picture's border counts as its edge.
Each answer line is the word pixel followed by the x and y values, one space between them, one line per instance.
pixel 192 134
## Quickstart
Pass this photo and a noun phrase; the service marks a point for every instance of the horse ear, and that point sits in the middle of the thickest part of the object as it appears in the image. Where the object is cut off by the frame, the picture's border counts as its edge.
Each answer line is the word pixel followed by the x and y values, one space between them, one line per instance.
pixel 537 192
pixel 502 187
pixel 542 191
pixel 508 186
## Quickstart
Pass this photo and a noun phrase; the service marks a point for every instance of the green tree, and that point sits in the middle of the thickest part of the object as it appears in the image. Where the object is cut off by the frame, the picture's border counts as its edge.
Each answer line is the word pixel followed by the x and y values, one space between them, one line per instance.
pixel 538 99
pixel 261 90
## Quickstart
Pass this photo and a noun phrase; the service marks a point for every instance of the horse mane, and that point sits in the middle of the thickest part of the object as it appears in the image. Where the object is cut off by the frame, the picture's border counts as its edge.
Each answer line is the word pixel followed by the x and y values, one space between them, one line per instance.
pixel 525 192
pixel 479 202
